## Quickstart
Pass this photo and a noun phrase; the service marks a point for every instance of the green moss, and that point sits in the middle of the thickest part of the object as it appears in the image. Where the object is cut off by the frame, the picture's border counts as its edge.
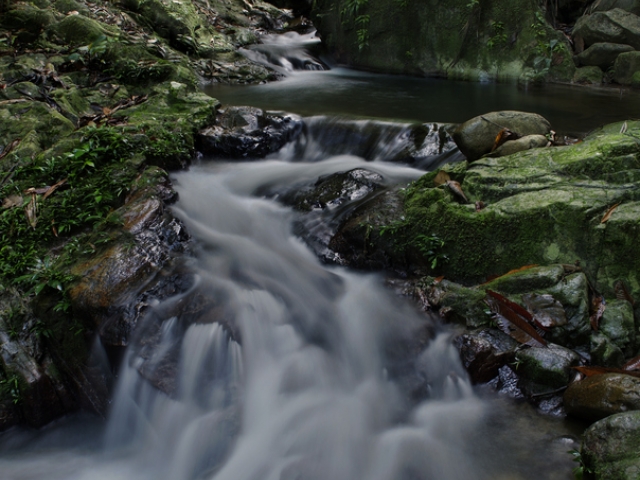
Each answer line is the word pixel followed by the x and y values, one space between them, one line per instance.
pixel 80 30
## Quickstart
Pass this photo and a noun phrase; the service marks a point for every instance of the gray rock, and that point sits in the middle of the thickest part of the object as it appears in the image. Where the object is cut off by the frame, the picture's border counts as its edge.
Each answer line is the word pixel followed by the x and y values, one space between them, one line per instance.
pixel 610 447
pixel 548 367
pixel 599 396
pixel 484 352
pixel 602 54
pixel 626 68
pixel 476 137
pixel 248 132
pixel 631 6
pixel 588 75
pixel 604 352
pixel 614 26
pixel 618 324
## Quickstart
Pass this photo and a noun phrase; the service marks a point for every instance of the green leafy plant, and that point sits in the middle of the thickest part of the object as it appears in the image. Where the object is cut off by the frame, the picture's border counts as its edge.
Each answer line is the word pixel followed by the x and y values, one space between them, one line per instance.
pixel 430 246
pixel 498 37
pixel 11 388
pixel 362 22
pixel 581 469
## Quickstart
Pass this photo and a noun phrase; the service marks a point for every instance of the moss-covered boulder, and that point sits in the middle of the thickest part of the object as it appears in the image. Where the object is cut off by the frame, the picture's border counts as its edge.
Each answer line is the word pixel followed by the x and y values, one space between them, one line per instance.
pixel 477 40
pixel 626 68
pixel 631 6
pixel 588 76
pixel 610 447
pixel 613 26
pixel 599 396
pixel 602 54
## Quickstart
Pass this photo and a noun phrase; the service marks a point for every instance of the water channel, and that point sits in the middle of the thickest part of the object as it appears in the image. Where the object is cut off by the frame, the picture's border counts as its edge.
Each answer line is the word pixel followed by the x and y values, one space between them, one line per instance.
pixel 304 386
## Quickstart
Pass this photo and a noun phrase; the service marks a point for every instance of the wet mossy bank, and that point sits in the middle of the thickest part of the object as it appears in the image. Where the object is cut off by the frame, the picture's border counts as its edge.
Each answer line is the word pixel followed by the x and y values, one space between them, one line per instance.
pixel 97 102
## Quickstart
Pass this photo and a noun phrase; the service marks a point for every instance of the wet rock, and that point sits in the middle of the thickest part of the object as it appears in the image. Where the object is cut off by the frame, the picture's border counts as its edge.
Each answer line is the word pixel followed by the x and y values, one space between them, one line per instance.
pixel 248 132
pixel 477 136
pixel 631 6
pixel 484 352
pixel 602 55
pixel 613 26
pixel 626 69
pixel 520 145
pixel 112 286
pixel 610 447
pixel 599 396
pixel 546 368
pixel 618 324
pixel 459 304
pixel 604 352
pixel 588 75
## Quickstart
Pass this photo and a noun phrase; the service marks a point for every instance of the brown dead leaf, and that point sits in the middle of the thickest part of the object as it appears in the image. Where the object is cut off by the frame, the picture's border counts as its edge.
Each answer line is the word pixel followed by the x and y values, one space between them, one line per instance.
pixel 8 149
pixel 515 270
pixel 622 293
pixel 598 306
pixel 503 136
pixel 520 327
pixel 590 371
pixel 53 188
pixel 31 210
pixel 479 206
pixel 54 230
pixel 12 201
pixel 438 279
pixel 456 188
pixel 633 364
pixel 441 178
pixel 608 213
pixel 106 111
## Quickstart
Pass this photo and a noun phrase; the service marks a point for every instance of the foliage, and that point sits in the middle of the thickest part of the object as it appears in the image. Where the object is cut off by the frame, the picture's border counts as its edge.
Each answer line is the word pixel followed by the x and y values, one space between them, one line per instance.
pixel 429 246
pixel 581 469
pixel 10 388
pixel 350 12
pixel 499 36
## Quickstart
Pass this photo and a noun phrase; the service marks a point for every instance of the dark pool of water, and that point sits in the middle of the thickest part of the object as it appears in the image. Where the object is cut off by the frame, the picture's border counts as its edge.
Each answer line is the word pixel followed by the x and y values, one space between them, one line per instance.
pixel 570 109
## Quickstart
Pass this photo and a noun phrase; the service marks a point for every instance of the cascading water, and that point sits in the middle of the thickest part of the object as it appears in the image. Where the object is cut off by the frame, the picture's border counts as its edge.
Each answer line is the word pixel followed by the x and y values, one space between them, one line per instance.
pixel 296 369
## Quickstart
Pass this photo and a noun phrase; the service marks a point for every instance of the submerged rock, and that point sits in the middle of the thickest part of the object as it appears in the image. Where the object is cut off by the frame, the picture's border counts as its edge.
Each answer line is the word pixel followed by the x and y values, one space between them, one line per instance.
pixel 476 137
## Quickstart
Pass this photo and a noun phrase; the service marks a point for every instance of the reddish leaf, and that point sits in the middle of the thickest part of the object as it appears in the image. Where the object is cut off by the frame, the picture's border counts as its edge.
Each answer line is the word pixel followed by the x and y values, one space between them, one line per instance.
pixel 504 135
pixel 491 278
pixel 456 188
pixel 608 213
pixel 633 364
pixel 592 370
pixel 622 293
pixel 438 279
pixel 515 314
pixel 597 310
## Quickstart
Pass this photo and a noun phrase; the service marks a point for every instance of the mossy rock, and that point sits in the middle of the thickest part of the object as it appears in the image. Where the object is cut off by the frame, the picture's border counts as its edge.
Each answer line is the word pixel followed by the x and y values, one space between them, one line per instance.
pixel 588 75
pixel 81 30
pixel 28 17
pixel 610 447
pixel 66 6
pixel 625 67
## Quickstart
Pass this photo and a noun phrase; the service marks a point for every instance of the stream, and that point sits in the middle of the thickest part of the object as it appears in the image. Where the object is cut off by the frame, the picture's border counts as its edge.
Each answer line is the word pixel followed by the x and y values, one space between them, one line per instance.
pixel 307 370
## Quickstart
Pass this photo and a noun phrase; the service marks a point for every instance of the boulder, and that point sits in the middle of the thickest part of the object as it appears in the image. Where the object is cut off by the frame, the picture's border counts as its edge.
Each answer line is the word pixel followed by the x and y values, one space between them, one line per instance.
pixel 614 26
pixel 588 75
pixel 602 54
pixel 626 68
pixel 248 132
pixel 477 136
pixel 599 396
pixel 484 352
pixel 610 447
pixel 631 6
pixel 604 352
pixel 618 324
pixel 546 368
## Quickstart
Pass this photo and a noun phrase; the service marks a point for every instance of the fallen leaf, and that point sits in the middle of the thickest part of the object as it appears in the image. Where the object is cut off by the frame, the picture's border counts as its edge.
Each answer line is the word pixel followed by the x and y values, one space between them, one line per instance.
pixel 503 136
pixel 591 371
pixel 53 228
pixel 520 329
pixel 491 278
pixel 608 214
pixel 456 188
pixel 633 364
pixel 31 210
pixel 438 279
pixel 441 178
pixel 479 206
pixel 53 188
pixel 12 201
pixel 8 149
pixel 598 306
pixel 622 293
pixel 623 129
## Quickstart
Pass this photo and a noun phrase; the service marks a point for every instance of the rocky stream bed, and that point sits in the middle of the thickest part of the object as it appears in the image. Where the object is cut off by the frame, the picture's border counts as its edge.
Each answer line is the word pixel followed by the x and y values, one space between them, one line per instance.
pixel 99 101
